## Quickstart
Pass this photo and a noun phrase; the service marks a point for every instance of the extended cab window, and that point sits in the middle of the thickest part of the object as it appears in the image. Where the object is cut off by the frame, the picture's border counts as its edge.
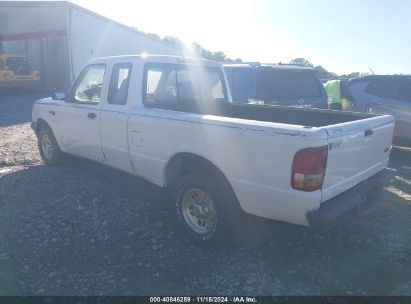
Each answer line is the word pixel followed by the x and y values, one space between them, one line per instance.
pixel 119 83
pixel 187 85
pixel 161 86
pixel 89 84
pixel 182 87
pixel 212 84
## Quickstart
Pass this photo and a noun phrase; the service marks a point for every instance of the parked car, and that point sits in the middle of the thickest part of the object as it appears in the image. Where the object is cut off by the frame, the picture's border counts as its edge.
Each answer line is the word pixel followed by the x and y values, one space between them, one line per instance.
pixel 172 121
pixel 385 95
pixel 282 84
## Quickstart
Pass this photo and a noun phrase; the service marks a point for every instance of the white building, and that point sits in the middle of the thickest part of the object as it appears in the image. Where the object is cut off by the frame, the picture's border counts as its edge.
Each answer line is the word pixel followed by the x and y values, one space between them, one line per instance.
pixel 59 37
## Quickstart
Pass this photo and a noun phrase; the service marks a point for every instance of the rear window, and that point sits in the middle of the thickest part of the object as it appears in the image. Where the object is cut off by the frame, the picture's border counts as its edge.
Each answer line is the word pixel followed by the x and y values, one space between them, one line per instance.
pixel 271 84
pixel 287 84
pixel 242 83
pixel 391 88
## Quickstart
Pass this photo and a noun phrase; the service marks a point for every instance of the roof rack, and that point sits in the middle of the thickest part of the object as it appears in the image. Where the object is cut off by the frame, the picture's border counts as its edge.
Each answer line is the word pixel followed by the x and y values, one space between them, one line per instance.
pixel 252 63
pixel 295 64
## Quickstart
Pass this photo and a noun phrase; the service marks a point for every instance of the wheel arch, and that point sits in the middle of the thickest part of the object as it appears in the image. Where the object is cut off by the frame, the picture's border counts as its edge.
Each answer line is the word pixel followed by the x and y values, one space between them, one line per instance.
pixel 190 163
pixel 186 163
pixel 41 123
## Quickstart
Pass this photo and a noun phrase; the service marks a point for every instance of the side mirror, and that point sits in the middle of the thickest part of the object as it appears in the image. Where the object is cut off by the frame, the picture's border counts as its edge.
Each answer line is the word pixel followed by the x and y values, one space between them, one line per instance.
pixel 60 94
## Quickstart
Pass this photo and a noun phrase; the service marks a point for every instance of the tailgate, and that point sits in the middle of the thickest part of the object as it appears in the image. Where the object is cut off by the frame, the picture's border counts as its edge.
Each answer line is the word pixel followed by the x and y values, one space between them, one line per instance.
pixel 356 151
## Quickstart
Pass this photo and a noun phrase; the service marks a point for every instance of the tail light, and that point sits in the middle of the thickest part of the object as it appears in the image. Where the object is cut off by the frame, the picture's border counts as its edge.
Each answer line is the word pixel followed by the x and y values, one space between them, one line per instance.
pixel 308 169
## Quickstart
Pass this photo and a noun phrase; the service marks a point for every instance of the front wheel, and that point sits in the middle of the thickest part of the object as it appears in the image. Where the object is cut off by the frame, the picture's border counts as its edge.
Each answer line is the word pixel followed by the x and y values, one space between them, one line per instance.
pixel 49 150
pixel 200 210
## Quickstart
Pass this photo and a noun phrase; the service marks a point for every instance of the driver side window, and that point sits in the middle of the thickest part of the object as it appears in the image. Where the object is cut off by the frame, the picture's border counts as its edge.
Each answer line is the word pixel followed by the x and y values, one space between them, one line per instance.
pixel 89 85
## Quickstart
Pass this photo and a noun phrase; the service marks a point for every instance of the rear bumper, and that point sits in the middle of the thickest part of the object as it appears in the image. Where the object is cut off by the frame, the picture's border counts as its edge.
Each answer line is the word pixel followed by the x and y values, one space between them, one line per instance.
pixel 363 196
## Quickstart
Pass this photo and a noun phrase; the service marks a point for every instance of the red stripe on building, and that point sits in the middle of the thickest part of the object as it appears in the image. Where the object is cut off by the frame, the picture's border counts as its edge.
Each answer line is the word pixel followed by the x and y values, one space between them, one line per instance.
pixel 36 35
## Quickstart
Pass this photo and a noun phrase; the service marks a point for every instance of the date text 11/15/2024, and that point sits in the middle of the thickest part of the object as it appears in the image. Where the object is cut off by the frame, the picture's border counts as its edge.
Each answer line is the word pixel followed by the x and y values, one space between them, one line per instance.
pixel 208 299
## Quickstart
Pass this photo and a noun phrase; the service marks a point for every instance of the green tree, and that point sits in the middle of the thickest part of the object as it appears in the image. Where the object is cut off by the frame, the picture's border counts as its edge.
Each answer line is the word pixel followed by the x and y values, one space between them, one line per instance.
pixel 354 75
pixel 219 56
pixel 322 72
pixel 153 35
pixel 175 42
pixel 301 61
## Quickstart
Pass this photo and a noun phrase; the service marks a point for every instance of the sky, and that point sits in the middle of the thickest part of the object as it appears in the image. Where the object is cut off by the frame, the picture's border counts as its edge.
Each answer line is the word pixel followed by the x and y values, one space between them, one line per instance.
pixel 341 35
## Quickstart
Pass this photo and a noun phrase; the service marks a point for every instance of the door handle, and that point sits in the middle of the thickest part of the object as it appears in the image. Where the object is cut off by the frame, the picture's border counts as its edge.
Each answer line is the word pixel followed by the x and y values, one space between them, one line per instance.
pixel 368 132
pixel 91 115
pixel 52 112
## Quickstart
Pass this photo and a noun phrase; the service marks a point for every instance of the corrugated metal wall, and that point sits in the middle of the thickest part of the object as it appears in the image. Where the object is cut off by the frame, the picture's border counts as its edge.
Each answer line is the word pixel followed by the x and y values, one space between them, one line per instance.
pixel 91 36
pixel 48 55
pixel 20 17
pixel 86 35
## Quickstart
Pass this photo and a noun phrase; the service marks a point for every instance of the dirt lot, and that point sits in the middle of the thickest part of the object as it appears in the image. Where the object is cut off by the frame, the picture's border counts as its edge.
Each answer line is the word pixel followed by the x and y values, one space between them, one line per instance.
pixel 85 229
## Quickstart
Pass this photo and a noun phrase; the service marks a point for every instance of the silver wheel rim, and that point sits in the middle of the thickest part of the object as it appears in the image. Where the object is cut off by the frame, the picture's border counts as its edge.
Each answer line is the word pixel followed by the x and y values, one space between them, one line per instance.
pixel 199 211
pixel 47 146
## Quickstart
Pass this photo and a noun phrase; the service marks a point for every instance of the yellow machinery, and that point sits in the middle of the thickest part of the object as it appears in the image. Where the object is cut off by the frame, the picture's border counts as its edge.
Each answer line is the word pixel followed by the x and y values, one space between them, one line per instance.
pixel 16 73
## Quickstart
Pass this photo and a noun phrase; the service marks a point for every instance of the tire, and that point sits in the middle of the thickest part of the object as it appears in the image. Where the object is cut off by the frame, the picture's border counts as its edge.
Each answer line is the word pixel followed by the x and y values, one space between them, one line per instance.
pixel 202 209
pixel 49 149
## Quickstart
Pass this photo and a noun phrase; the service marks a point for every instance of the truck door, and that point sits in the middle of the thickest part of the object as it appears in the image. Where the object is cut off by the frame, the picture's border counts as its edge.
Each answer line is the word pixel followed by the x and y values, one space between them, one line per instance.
pixel 79 117
pixel 114 118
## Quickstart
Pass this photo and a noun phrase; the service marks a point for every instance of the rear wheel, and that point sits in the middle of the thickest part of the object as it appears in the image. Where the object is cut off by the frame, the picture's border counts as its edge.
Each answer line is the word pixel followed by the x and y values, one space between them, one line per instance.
pixel 49 150
pixel 201 209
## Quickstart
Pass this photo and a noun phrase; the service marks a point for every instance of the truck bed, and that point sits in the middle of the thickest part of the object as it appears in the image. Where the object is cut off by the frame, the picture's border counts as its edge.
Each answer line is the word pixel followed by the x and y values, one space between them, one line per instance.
pixel 287 115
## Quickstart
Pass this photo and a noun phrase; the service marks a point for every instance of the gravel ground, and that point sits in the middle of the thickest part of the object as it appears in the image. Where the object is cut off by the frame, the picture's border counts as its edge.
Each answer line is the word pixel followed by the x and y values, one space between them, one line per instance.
pixel 84 229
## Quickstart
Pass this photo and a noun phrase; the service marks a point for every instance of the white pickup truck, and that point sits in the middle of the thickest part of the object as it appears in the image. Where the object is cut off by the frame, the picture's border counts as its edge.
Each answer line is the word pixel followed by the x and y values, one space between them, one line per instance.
pixel 170 120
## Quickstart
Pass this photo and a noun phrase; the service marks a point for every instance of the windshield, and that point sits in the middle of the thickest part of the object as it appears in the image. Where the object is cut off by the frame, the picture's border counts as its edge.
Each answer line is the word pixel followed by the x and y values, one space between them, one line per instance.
pixel 18 65
pixel 271 84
